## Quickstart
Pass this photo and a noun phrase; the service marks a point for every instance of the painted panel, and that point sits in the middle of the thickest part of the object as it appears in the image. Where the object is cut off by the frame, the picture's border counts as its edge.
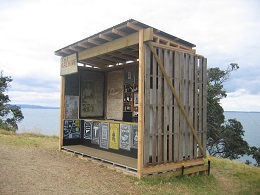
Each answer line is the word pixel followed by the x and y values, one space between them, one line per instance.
pixel 104 135
pixel 71 129
pixel 114 136
pixel 125 136
pixel 115 89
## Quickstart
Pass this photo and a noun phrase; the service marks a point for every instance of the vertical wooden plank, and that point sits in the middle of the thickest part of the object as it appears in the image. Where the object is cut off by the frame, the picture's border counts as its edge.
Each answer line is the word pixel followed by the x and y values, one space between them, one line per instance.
pixel 204 103
pixel 170 74
pixel 200 102
pixel 160 102
pixel 167 92
pixel 62 104
pixel 176 125
pixel 191 102
pixel 182 119
pixel 186 103
pixel 147 63
pixel 154 102
pixel 140 159
pixel 195 105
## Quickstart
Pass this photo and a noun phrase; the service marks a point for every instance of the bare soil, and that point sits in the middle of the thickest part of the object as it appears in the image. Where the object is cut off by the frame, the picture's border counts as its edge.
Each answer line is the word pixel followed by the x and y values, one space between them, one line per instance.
pixel 33 170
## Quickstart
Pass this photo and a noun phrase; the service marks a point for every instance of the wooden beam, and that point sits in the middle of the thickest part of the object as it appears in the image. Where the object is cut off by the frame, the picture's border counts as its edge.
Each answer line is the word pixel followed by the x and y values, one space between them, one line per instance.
pixel 95 42
pixel 62 104
pixel 171 166
pixel 75 48
pixel 118 32
pixel 177 98
pixel 133 26
pixel 83 45
pixel 105 37
pixel 117 44
pixel 140 158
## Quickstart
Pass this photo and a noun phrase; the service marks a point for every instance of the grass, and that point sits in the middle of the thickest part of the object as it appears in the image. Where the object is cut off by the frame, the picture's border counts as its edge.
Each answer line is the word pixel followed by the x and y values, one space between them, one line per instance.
pixel 28 139
pixel 227 177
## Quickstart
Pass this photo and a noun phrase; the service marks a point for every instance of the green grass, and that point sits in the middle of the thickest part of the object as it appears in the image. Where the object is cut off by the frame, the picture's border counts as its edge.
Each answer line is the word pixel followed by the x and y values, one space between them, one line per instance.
pixel 227 177
pixel 28 139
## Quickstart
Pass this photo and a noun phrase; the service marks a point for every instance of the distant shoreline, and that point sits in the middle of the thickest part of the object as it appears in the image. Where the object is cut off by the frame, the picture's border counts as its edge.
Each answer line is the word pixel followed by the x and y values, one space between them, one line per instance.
pixel 35 106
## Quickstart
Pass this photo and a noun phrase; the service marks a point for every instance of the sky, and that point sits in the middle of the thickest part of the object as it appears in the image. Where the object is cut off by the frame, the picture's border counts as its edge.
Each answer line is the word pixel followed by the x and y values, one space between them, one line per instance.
pixel 224 31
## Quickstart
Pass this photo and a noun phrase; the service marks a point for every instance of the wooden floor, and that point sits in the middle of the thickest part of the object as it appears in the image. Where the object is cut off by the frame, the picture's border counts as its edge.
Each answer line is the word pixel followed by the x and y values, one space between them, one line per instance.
pixel 117 160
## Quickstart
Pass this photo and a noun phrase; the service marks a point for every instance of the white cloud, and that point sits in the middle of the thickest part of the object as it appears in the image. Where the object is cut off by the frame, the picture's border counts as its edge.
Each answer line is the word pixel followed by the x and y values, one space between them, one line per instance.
pixel 30 32
pixel 241 100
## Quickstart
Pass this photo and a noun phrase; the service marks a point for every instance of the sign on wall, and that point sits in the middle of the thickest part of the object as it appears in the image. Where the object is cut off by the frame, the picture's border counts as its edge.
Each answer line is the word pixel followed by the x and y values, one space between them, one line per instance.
pixel 104 135
pixel 71 129
pixel 68 65
pixel 134 136
pixel 114 136
pixel 125 136
pixel 96 128
pixel 87 129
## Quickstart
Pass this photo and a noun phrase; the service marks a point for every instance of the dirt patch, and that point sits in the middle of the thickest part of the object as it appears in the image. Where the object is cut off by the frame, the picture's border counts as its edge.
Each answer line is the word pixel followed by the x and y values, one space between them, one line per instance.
pixel 32 170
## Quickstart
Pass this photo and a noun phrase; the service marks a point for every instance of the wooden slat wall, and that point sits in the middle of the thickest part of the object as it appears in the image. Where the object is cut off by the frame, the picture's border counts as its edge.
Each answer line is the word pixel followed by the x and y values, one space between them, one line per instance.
pixel 167 135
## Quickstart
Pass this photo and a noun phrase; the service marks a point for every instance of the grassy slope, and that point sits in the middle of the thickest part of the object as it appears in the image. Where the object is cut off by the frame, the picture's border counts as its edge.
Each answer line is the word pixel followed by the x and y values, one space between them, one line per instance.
pixel 227 177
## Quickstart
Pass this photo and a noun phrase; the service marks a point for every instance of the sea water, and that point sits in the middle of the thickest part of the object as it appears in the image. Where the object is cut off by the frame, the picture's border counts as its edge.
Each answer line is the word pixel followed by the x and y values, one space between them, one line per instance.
pixel 46 122
pixel 43 121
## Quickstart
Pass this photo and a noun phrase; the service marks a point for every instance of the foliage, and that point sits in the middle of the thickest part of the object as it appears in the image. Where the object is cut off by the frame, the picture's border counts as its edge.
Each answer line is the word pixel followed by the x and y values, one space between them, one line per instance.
pixel 225 139
pixel 9 115
pixel 255 152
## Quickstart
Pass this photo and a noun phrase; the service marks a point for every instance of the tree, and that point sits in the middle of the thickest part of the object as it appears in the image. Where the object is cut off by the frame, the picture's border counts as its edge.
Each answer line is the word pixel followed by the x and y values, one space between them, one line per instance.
pixel 9 115
pixel 225 139
pixel 255 152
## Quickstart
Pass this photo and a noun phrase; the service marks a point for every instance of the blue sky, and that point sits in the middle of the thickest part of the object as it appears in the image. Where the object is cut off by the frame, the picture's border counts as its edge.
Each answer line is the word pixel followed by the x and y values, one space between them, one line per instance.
pixel 224 31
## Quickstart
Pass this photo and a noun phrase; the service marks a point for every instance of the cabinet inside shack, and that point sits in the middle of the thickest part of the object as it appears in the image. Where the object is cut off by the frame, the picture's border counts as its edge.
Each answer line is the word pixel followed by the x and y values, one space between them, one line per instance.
pixel 101 109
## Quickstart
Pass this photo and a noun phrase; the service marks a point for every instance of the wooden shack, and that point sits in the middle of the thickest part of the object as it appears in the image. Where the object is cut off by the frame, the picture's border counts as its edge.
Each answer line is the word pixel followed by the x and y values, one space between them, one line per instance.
pixel 134 97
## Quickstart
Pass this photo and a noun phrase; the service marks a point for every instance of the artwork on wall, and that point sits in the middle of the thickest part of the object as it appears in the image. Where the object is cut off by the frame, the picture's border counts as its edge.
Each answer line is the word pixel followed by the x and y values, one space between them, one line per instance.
pixel 134 136
pixel 87 129
pixel 115 87
pixel 129 75
pixel 92 92
pixel 96 128
pixel 114 136
pixel 71 129
pixel 71 107
pixel 125 136
pixel 104 135
pixel 72 84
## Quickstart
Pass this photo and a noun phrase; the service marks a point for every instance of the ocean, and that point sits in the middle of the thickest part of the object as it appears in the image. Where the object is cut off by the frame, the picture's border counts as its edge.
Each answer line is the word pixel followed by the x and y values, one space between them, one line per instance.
pixel 46 122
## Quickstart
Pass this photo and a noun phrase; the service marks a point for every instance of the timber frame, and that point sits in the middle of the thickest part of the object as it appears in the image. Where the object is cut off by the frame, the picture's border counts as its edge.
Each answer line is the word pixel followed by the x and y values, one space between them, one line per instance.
pixel 172 93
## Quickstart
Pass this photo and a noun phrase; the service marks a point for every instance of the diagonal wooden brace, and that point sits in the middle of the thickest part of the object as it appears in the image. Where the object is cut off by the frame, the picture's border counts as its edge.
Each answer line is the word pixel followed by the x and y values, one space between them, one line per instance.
pixel 177 98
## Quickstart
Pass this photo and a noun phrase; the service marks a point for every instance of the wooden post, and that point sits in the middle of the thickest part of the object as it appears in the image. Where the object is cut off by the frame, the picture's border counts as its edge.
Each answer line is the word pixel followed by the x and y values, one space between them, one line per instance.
pixel 62 97
pixel 140 160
